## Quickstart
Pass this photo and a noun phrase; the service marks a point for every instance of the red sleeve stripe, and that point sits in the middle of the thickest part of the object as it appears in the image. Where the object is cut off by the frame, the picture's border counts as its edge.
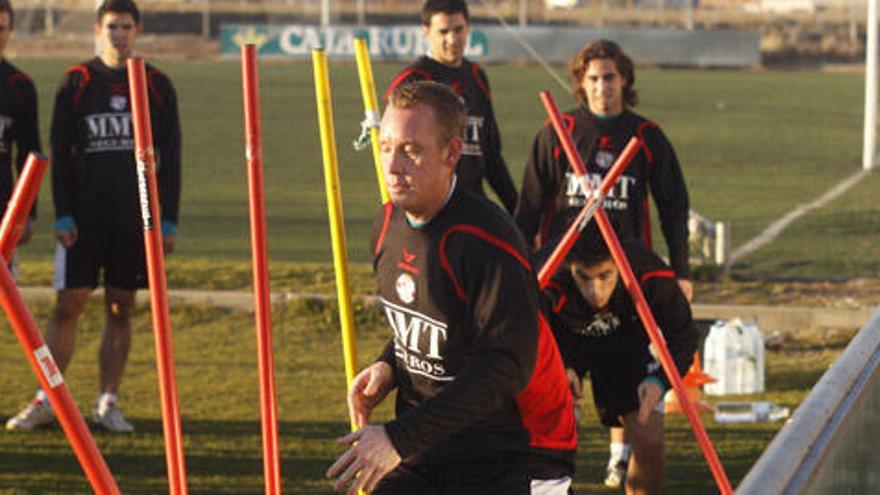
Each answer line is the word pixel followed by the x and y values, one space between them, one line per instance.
pixel 11 83
pixel 657 274
pixel 546 216
pixel 482 234
pixel 87 77
pixel 475 70
pixel 641 132
pixel 153 91
pixel 562 297
pixel 546 404
pixel 388 209
pixel 647 238
pixel 403 76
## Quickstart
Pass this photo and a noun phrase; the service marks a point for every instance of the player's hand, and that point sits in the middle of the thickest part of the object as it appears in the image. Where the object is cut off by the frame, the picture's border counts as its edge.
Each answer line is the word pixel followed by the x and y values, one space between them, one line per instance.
pixel 369 459
pixel 574 383
pixel 168 243
pixel 649 395
pixel 26 232
pixel 687 287
pixel 66 231
pixel 368 389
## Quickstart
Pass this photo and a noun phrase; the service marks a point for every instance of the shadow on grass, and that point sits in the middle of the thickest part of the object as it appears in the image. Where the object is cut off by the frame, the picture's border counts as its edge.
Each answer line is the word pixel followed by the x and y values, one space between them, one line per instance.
pixel 221 457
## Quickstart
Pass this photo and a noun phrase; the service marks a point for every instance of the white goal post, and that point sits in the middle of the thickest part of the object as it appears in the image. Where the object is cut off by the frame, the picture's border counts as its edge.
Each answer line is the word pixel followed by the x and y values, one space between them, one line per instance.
pixel 869 152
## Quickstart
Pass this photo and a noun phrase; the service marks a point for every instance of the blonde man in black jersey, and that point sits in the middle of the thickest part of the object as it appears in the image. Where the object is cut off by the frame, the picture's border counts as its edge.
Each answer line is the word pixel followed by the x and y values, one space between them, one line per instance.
pixel 483 404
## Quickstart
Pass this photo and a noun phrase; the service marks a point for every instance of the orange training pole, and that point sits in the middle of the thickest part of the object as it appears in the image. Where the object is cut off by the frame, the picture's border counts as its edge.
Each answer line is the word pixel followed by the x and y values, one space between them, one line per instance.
pixel 149 199
pixel 250 87
pixel 632 285
pixel 594 202
pixel 31 341
pixel 26 189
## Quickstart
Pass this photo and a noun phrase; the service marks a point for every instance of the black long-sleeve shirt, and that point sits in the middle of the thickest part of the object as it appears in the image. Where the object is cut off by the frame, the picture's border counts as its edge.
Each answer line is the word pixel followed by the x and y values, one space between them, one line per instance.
pixel 582 330
pixel 481 157
pixel 18 126
pixel 478 374
pixel 551 195
pixel 93 165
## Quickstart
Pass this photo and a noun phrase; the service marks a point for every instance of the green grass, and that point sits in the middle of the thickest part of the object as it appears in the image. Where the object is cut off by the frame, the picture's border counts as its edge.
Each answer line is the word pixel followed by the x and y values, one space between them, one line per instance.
pixel 753 146
pixel 217 380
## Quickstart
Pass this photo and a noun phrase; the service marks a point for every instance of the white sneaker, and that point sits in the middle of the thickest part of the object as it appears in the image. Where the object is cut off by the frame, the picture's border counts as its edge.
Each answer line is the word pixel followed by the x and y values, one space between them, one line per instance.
pixel 109 417
pixel 36 414
pixel 615 474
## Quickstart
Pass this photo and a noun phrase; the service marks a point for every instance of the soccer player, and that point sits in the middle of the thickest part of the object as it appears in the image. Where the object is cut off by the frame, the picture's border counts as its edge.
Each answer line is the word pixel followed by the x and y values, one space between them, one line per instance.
pixel 598 330
pixel 446 25
pixel 483 404
pixel 551 196
pixel 95 189
pixel 18 118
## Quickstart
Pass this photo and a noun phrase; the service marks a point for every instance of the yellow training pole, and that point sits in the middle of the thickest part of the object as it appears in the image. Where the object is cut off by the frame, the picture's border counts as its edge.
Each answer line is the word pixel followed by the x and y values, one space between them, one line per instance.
pixel 334 209
pixel 371 109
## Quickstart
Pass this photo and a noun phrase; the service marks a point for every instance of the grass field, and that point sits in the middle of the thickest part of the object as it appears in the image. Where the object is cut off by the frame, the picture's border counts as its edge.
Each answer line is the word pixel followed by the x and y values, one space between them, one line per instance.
pixel 753 146
pixel 216 375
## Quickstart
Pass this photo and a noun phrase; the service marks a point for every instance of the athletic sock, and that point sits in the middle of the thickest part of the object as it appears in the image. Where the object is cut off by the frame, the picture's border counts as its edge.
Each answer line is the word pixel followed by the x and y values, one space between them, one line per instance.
pixel 106 400
pixel 619 452
pixel 41 396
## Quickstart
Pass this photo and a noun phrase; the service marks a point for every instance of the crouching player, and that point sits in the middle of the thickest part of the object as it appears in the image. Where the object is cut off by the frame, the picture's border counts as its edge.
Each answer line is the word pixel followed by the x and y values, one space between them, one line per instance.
pixel 483 404
pixel 598 330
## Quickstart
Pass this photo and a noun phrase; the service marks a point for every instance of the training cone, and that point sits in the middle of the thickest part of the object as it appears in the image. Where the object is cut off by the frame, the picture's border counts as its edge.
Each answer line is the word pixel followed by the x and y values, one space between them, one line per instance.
pixel 693 381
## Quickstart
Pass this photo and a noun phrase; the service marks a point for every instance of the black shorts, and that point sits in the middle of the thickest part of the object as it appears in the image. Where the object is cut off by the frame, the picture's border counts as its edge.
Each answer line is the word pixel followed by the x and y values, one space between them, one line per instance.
pixel 118 252
pixel 499 479
pixel 615 378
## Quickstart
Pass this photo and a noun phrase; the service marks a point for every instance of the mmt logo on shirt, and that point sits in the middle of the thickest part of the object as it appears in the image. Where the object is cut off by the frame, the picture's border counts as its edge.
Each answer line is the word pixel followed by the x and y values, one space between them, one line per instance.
pixel 419 341
pixel 108 132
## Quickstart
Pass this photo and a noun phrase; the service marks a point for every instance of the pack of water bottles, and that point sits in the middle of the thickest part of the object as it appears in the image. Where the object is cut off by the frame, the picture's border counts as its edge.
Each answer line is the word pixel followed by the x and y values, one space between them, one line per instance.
pixel 733 354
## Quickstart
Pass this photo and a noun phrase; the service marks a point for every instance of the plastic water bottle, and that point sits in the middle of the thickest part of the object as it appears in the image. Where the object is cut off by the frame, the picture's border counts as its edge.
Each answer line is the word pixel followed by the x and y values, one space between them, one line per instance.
pixel 734 355
pixel 749 412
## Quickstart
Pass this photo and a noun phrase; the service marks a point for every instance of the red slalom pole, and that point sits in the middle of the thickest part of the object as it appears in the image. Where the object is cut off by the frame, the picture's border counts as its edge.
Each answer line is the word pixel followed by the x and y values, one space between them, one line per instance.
pixel 594 202
pixel 149 200
pixel 52 382
pixel 250 87
pixel 644 311
pixel 26 189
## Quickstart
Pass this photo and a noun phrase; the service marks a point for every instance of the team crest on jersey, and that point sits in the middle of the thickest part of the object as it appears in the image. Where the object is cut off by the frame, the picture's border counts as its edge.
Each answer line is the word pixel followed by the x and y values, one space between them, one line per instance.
pixel 118 102
pixel 406 288
pixel 604 159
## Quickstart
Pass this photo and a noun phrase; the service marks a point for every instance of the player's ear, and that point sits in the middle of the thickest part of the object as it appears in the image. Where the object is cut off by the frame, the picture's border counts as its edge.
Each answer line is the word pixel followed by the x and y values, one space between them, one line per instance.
pixel 452 151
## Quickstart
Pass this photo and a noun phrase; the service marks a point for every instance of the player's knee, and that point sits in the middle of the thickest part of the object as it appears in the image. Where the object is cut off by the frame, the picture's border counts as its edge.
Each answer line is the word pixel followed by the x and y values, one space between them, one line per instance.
pixel 119 311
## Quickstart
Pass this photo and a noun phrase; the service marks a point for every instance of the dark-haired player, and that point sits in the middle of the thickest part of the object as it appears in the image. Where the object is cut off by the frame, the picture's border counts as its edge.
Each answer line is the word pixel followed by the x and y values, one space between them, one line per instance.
pixel 602 79
pixel 95 189
pixel 482 397
pixel 19 130
pixel 445 25
pixel 599 331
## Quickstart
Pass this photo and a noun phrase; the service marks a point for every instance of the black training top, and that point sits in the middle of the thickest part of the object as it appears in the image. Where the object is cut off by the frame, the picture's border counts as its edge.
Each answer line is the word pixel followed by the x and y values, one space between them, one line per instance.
pixel 93 164
pixel 478 374
pixel 551 195
pixel 481 157
pixel 18 125
pixel 582 330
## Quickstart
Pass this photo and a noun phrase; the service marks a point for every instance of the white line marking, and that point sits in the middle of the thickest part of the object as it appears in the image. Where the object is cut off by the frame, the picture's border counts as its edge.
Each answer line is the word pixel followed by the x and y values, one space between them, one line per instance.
pixel 776 228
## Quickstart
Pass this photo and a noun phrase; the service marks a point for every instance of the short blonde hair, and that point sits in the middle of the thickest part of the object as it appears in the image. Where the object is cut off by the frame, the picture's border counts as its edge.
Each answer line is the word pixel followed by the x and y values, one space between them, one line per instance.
pixel 449 110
